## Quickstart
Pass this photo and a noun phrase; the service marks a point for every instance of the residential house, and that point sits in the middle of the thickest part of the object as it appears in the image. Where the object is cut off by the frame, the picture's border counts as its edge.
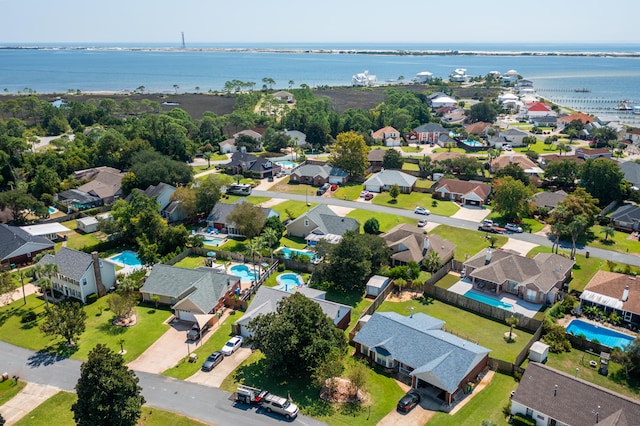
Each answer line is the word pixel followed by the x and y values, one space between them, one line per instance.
pixel 551 397
pixel 536 280
pixel 217 218
pixel 480 128
pixel 614 292
pixel 267 298
pixel 87 224
pixel 318 174
pixel 409 243
pixel 631 171
pixel 299 138
pixel 443 101
pixel 18 247
pixel 633 135
pixel 472 193
pixel 228 146
pixel 549 200
pixel 522 161
pixel 321 223
pixel 387 136
pixel 538 109
pixel 189 292
pixel 385 179
pixel 626 218
pixel 455 116
pixel 79 200
pixel 104 187
pixel 417 347
pixel 81 274
pixel 284 96
pixel 510 136
pixel 162 192
pixel 544 121
pixel 363 79
pixel 423 77
pixel 509 78
pixel 589 154
pixel 548 158
pixel 51 231
pixel 427 133
pixel 376 159
pixel 242 163
pixel 563 121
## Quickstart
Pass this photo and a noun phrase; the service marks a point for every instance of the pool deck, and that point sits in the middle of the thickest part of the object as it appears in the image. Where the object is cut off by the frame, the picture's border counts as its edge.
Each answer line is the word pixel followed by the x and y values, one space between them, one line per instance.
pixel 126 269
pixel 520 306
pixel 568 318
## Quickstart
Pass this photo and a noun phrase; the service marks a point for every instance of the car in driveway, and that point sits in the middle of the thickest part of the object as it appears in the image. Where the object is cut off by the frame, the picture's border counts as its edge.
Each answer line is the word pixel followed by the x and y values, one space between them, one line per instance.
pixel 512 227
pixel 421 210
pixel 408 401
pixel 422 223
pixel 194 334
pixel 212 360
pixel 232 345
pixel 368 197
pixel 364 193
pixel 334 187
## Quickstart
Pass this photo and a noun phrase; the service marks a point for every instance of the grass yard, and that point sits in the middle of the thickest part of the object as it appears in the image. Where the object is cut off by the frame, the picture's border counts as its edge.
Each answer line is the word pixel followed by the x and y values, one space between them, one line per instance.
pixel 424 183
pixel 9 389
pixel 296 208
pixel 448 280
pixel 539 147
pixel 221 333
pixel 230 199
pixel 411 148
pixel 622 242
pixel 383 391
pixel 410 166
pixel 583 270
pixel 467 242
pixel 98 329
pixel 415 199
pixel 57 411
pixel 293 242
pixel 460 150
pixel 466 325
pixel 77 240
pixel 386 221
pixel 293 188
pixel 350 191
pixel 191 262
pixel 234 245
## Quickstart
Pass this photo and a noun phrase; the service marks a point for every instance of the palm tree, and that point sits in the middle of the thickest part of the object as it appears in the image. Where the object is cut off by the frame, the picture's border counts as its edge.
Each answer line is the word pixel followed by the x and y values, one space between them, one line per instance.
pixel 255 246
pixel 270 235
pixel 50 269
pixel 44 283
pixel 432 262
pixel 608 231
pixel 511 322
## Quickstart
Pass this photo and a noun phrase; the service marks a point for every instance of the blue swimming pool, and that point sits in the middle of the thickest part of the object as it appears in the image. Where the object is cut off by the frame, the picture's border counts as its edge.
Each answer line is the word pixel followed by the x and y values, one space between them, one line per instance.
pixel 246 275
pixel 603 335
pixel 287 252
pixel 212 241
pixel 289 282
pixel 52 210
pixel 287 164
pixel 488 300
pixel 127 258
pixel 472 143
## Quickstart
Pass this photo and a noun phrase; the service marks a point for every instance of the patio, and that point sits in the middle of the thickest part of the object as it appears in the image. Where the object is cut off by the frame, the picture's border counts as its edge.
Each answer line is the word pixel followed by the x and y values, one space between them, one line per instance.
pixel 519 306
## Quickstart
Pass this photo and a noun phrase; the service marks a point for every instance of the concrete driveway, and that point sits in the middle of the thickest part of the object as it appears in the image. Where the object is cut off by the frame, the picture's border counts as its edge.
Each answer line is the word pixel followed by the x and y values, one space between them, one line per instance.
pixel 220 372
pixel 474 214
pixel 519 246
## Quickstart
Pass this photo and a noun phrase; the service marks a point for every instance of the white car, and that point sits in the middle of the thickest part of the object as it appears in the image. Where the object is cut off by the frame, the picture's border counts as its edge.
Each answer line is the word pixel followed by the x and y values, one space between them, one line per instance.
pixel 421 210
pixel 363 194
pixel 512 227
pixel 232 345
pixel 506 147
pixel 422 223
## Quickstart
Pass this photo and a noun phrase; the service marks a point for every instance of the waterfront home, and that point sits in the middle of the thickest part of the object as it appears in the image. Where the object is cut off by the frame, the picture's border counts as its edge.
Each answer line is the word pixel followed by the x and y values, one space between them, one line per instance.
pixel 243 163
pixel 510 136
pixel 443 101
pixel 18 247
pixel 626 218
pixel 363 79
pixel 466 192
pixel 538 109
pixel 321 223
pixel 459 75
pixel 385 179
pixel 417 347
pixel 551 397
pixel 536 280
pixel 284 96
pixel 583 118
pixel 614 292
pixel 318 174
pixel 633 135
pixel 423 77
pixel 409 243
pixel 387 136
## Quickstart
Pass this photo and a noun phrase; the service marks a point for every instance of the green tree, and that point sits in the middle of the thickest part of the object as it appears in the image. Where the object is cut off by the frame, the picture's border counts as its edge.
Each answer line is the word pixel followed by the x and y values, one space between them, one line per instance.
pixel 394 191
pixel 270 237
pixel 432 262
pixel 608 231
pixel 371 226
pixel 113 402
pixel 350 153
pixel 65 319
pixel 484 111
pixel 562 172
pixel 510 197
pixel 247 219
pixel 603 179
pixel 6 286
pixel 276 224
pixel 186 196
pixel 529 140
pixel 425 166
pixel 349 263
pixel 122 304
pixel 19 203
pixel 209 191
pixel 392 159
pixel 298 338
pixel 511 322
pixel 515 172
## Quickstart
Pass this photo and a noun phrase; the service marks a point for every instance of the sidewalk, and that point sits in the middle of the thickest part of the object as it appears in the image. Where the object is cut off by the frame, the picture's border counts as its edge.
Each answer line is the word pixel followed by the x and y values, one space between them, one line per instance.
pixel 25 401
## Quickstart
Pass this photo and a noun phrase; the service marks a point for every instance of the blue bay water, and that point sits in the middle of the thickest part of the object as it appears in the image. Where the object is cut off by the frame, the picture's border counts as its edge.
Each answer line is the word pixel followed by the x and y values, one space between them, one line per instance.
pixel 56 69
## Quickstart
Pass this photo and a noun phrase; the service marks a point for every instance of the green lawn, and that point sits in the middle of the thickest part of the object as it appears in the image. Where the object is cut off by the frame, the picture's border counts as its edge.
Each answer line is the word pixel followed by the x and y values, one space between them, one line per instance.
pixel 9 389
pixel 98 329
pixel 410 166
pixel 191 262
pixel 234 245
pixel 57 411
pixel 540 148
pixel 296 208
pixel 622 242
pixel 447 281
pixel 467 242
pixel 411 148
pixel 424 183
pixel 583 270
pixel 383 391
pixel 460 150
pixel 386 221
pixel 293 242
pixel 230 199
pixel 221 333
pixel 485 332
pixel 78 240
pixel 350 191
pixel 486 405
pixel 293 188
pixel 415 199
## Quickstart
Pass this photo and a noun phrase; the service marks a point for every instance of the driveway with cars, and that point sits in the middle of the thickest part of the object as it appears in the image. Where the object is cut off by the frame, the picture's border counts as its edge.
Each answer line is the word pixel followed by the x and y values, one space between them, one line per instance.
pixel 221 371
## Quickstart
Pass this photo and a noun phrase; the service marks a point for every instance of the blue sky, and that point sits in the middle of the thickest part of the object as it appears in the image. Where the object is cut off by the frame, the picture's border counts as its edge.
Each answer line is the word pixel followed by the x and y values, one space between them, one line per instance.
pixel 344 21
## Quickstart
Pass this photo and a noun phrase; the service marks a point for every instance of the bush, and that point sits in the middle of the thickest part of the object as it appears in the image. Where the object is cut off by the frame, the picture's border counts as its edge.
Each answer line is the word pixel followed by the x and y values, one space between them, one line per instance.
pixel 555 336
pixel 92 298
pixel 520 420
pixel 28 316
pixel 281 267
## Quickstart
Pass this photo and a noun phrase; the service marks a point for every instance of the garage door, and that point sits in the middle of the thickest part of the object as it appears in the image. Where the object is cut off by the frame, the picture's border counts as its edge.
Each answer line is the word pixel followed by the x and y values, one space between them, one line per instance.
pixel 186 316
pixel 372 188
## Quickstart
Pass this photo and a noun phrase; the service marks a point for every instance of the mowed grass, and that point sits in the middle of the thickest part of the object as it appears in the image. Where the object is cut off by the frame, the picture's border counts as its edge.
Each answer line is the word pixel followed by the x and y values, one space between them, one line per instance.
pixel 295 208
pixel 230 199
pixel 99 329
pixel 468 243
pixel 416 199
pixel 386 221
pixel 9 389
pixel 583 270
pixel 57 411
pixel 622 242
pixel 191 262
pixel 77 240
pixel 293 188
pixel 349 191
pixel 480 330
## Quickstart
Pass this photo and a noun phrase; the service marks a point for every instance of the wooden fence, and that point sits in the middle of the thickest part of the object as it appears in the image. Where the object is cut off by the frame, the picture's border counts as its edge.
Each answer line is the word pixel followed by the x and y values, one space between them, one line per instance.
pixel 381 297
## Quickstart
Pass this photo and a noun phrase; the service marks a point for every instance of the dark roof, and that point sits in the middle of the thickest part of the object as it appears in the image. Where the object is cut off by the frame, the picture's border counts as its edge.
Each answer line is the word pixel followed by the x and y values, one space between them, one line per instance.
pixel 327 221
pixel 78 196
pixel 573 401
pixel 631 172
pixel 13 237
pixel 72 263
pixel 549 199
pixel 626 213
pixel 251 162
pixel 220 211
pixel 430 128
pixel 376 155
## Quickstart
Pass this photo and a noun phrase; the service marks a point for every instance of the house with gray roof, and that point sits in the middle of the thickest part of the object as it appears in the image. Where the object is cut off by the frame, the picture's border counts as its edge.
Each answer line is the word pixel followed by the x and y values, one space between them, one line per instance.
pixel 536 280
pixel 318 174
pixel 267 298
pixel 417 347
pixel 189 292
pixel 384 179
pixel 426 133
pixel 18 247
pixel 551 397
pixel 321 223
pixel 162 192
pixel 626 218
pixel 548 199
pixel 81 274
pixel 299 138
pixel 510 136
pixel 218 217
pixel 243 163
pixel 631 171
pixel 409 243
pixel 103 187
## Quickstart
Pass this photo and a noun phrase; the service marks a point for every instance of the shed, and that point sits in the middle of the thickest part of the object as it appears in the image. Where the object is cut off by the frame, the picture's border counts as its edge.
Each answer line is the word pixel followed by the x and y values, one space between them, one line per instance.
pixel 87 224
pixel 376 284
pixel 539 352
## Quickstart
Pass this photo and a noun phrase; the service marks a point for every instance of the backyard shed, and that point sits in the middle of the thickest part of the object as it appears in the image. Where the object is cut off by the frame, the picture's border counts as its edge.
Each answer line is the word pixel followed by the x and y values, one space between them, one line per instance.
pixel 539 352
pixel 87 224
pixel 376 284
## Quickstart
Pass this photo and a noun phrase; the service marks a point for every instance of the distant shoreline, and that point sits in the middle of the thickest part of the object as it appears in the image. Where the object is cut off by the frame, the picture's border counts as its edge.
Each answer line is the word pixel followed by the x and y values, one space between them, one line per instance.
pixel 388 52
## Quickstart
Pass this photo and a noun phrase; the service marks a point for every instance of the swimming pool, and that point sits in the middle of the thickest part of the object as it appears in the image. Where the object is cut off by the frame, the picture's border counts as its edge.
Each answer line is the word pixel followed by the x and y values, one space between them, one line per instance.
pixel 212 241
pixel 287 252
pixel 289 282
pixel 127 258
pixel 472 143
pixel 603 335
pixel 246 275
pixel 287 164
pixel 52 210
pixel 488 300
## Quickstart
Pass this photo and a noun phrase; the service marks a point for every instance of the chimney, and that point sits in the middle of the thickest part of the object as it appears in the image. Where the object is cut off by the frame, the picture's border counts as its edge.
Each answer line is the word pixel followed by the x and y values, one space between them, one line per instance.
pixel 425 246
pixel 98 274
pixel 625 294
pixel 487 258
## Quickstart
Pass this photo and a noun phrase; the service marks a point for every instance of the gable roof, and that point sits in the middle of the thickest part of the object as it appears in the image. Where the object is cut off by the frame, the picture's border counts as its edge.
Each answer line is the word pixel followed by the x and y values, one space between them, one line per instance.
pixel 104 184
pixel 631 171
pixel 419 341
pixel 478 128
pixel 78 196
pixel 549 199
pixel 220 211
pixel 248 132
pixel 250 162
pixel 464 187
pixel 571 400
pixel 322 170
pixel 626 213
pixel 72 263
pixel 612 286
pixel 381 133
pixel 523 161
pixel 582 117
pixel 327 221
pixel 14 237
pixel 408 244
pixel 391 177
pixel 431 128
pixel 376 155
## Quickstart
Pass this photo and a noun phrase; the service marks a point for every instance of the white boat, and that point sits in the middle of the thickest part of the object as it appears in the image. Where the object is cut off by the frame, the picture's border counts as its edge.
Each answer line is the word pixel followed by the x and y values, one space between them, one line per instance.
pixel 624 106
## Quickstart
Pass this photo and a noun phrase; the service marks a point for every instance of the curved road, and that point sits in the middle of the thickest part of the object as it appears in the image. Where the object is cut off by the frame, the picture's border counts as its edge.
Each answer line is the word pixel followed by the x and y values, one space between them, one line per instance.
pixel 458 223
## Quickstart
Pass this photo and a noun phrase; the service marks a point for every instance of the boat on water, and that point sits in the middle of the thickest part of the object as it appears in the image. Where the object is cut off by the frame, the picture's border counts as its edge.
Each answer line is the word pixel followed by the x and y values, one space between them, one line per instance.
pixel 582 90
pixel 624 106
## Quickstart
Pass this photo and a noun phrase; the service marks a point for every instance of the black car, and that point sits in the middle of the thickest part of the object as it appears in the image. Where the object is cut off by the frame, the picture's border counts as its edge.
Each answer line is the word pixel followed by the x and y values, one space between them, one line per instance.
pixel 410 400
pixel 212 360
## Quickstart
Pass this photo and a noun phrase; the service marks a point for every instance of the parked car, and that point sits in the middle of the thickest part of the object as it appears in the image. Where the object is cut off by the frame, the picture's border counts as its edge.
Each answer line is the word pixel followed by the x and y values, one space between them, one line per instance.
pixel 279 405
pixel 368 197
pixel 212 360
pixel 334 187
pixel 422 223
pixel 232 345
pixel 512 227
pixel 506 147
pixel 364 193
pixel 270 179
pixel 421 210
pixel 194 333
pixel 409 401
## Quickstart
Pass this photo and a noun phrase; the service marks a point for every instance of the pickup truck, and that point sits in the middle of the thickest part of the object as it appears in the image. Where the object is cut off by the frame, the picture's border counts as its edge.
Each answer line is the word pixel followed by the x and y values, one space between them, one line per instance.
pixel 491 226
pixel 268 401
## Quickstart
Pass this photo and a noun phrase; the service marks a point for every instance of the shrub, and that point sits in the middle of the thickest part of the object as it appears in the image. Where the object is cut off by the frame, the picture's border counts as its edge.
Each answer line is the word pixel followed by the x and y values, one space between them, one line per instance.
pixel 281 267
pixel 92 298
pixel 28 316
pixel 521 420
pixel 555 336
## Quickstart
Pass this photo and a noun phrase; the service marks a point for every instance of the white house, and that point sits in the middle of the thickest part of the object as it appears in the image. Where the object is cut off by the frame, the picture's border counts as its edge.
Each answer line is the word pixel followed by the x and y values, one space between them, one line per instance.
pixel 383 180
pixel 363 79
pixel 423 77
pixel 443 101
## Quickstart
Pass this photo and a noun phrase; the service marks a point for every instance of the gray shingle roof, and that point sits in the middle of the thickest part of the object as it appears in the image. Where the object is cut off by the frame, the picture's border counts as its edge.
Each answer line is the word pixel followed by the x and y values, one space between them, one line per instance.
pixel 631 172
pixel 391 177
pixel 220 211
pixel 431 128
pixel 313 170
pixel 328 222
pixel 418 341
pixel 626 213
pixel 72 263
pixel 13 237
pixel 549 199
